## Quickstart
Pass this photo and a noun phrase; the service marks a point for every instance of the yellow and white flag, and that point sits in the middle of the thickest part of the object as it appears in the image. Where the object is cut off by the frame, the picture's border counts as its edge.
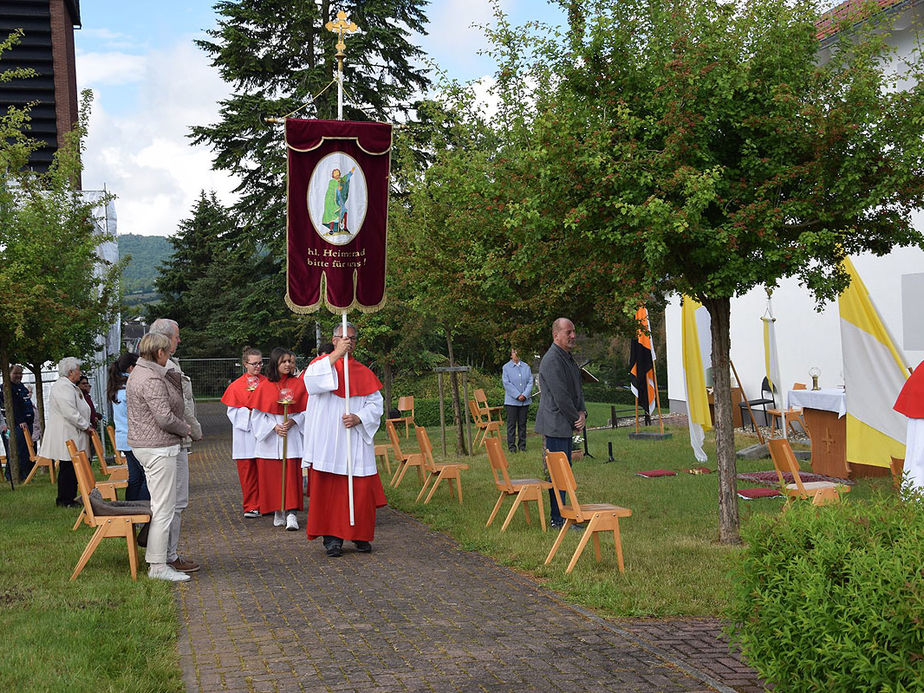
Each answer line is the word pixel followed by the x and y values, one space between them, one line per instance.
pixel 694 374
pixel 874 373
pixel 771 355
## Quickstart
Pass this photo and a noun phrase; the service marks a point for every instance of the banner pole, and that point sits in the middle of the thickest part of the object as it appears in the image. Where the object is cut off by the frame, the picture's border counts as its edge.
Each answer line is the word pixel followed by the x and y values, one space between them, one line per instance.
pixel 346 409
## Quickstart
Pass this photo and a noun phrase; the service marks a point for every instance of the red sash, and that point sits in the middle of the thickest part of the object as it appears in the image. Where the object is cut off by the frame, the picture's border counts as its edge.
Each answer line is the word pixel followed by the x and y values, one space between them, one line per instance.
pixel 237 394
pixel 362 381
pixel 910 400
pixel 267 395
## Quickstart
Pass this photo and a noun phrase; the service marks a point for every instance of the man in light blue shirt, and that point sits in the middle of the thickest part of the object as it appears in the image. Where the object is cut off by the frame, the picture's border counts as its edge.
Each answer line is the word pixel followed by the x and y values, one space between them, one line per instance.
pixel 518 384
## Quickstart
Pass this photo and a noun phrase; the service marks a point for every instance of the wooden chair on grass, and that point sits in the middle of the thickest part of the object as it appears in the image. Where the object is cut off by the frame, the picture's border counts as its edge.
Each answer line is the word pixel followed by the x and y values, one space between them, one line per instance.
pixel 784 461
pixel 381 452
pixel 406 408
pixel 113 472
pixel 481 399
pixel 404 461
pixel 525 490
pixel 600 517
pixel 788 416
pixel 37 461
pixel 486 427
pixel 434 471
pixel 107 489
pixel 116 525
pixel 116 453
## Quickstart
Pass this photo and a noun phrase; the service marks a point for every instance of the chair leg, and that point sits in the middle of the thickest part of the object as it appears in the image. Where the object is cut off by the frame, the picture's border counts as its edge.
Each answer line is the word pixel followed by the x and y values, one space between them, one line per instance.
pixel 458 486
pixel 87 552
pixel 588 533
pixel 596 546
pixel 423 489
pixel 496 508
pixel 53 470
pixel 618 540
pixel 439 478
pixel 513 511
pixel 79 519
pixel 399 475
pixel 541 506
pixel 132 549
pixel 529 520
pixel 558 540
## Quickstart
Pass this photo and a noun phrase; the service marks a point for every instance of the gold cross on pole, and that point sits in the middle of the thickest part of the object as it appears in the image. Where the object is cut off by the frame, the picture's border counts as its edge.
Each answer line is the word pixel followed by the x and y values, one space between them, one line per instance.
pixel 340 27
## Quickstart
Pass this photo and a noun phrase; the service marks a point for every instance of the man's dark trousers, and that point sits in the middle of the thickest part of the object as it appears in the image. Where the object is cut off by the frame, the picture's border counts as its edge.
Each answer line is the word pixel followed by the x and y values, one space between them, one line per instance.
pixel 516 423
pixel 557 445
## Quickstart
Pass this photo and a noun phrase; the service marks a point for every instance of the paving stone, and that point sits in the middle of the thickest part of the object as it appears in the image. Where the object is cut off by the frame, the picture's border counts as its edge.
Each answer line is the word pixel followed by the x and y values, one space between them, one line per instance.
pixel 270 612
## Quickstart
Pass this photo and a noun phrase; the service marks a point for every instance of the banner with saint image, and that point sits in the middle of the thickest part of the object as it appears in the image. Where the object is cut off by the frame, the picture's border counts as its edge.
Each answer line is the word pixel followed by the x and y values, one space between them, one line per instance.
pixel 337 213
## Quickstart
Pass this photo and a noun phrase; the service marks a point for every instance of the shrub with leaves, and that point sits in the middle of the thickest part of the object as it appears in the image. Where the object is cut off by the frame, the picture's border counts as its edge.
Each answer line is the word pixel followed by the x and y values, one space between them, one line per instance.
pixel 832 598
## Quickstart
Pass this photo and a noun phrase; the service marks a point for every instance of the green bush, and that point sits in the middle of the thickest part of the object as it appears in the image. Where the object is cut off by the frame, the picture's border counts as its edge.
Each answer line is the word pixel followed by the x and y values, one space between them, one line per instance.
pixel 427 411
pixel 832 598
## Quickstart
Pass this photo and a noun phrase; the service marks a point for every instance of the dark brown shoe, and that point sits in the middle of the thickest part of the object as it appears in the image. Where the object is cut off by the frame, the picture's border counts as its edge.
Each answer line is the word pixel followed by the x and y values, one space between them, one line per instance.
pixel 183 565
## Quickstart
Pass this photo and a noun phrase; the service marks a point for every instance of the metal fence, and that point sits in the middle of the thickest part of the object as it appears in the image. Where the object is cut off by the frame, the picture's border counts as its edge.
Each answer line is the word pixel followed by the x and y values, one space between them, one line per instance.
pixel 210 377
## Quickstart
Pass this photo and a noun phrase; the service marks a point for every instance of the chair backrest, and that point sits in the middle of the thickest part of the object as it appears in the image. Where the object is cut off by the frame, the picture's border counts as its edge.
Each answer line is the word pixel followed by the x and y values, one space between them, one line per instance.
pixel 426 450
pixel 393 438
pixel 563 481
pixel 86 482
pixel 798 386
pixel 480 396
pixel 499 465
pixel 116 453
pixel 476 412
pixel 406 404
pixel 785 461
pixel 30 445
pixel 98 449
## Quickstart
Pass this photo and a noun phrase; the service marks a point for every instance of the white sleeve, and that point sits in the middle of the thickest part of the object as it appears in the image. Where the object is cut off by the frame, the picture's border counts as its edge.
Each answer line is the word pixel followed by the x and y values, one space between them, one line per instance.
pixel 320 377
pixel 371 415
pixel 239 417
pixel 262 424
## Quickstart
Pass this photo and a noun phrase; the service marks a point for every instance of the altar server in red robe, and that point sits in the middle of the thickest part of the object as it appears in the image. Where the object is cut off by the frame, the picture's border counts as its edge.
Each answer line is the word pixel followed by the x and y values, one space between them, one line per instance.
pixel 326 431
pixel 243 444
pixel 910 402
pixel 270 430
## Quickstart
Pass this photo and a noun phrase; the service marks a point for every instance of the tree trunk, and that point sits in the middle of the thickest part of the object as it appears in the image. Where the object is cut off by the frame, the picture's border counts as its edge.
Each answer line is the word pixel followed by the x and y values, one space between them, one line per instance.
pixel 12 460
pixel 39 395
pixel 720 316
pixel 461 447
pixel 386 386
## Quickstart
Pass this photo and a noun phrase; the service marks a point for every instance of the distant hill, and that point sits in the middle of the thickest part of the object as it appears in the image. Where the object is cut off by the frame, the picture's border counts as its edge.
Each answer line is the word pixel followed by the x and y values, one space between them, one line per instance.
pixel 147 254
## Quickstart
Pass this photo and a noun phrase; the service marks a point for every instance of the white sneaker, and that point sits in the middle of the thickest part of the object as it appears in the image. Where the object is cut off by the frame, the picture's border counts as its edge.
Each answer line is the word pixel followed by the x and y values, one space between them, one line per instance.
pixel 162 571
pixel 251 513
pixel 291 522
pixel 278 520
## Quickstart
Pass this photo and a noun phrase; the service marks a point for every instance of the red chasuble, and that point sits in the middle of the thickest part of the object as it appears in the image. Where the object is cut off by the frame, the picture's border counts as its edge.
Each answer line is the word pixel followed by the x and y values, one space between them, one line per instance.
pixel 362 381
pixel 910 400
pixel 237 394
pixel 267 395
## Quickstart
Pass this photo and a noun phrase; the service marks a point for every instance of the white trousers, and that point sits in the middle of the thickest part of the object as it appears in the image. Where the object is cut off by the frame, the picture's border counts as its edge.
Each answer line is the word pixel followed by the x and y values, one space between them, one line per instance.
pixel 160 471
pixel 914 452
pixel 182 500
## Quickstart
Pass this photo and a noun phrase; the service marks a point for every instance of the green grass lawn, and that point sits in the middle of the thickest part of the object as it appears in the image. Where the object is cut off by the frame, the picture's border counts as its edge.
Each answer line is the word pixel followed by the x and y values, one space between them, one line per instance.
pixel 675 566
pixel 102 632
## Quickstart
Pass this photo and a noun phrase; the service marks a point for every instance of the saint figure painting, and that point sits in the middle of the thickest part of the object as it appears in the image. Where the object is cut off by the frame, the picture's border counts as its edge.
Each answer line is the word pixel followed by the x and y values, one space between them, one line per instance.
pixel 337 198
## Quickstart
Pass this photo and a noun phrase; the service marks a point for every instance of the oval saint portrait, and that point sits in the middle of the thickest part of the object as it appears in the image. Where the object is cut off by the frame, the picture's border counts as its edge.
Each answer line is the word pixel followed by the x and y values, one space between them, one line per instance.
pixel 337 198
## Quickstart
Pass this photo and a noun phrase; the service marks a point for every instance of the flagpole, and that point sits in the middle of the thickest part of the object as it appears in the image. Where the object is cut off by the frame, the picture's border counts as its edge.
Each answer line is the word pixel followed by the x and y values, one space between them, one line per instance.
pixel 339 27
pixel 654 372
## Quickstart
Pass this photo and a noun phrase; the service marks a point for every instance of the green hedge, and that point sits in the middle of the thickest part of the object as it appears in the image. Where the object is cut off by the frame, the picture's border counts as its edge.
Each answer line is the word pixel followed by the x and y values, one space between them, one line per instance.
pixel 832 598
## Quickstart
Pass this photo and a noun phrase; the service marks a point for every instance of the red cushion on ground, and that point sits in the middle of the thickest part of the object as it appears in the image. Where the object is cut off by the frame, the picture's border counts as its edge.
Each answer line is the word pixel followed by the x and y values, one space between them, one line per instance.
pixel 651 473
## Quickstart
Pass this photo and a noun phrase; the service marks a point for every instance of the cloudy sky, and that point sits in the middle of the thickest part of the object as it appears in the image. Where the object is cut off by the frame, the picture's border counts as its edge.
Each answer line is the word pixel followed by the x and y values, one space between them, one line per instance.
pixel 151 84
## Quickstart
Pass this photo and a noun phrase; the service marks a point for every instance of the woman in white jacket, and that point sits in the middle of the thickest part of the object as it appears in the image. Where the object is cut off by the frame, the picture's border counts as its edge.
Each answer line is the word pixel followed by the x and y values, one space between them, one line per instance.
pixel 67 417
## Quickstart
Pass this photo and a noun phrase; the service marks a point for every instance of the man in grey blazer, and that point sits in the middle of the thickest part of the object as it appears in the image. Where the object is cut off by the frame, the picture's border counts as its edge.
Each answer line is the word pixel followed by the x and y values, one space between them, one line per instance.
pixel 561 400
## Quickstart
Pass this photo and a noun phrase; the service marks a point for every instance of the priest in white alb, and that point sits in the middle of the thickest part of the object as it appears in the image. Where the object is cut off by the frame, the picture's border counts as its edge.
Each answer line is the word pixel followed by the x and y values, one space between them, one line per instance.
pixel 327 427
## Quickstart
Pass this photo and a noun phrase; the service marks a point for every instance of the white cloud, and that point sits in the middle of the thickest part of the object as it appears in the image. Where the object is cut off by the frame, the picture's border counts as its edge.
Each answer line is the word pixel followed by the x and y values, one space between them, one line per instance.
pixel 110 68
pixel 140 150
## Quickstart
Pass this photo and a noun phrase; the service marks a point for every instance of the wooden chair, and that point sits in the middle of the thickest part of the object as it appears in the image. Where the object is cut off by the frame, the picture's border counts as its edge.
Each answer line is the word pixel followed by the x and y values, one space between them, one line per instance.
pixel 381 452
pixel 404 461
pixel 482 400
pixel 821 492
pixel 436 472
pixel 107 526
pixel 37 461
pixel 897 467
pixel 113 472
pixel 116 453
pixel 600 517
pixel 788 416
pixel 107 489
pixel 406 407
pixel 485 426
pixel 525 490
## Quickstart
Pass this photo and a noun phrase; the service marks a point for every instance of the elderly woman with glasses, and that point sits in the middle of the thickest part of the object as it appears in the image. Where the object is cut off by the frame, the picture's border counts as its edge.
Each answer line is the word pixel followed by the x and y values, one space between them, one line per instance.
pixel 156 427
pixel 243 444
pixel 67 418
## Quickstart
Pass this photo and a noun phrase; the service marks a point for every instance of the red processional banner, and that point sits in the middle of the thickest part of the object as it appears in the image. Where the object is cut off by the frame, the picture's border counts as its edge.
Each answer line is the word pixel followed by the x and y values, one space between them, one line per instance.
pixel 337 213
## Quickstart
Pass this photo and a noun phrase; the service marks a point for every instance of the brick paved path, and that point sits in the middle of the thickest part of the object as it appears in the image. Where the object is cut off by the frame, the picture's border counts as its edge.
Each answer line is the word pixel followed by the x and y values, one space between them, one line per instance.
pixel 270 612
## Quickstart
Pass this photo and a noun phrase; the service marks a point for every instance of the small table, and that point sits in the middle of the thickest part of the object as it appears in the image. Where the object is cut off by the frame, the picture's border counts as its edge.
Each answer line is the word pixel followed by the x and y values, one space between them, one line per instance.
pixel 823 411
